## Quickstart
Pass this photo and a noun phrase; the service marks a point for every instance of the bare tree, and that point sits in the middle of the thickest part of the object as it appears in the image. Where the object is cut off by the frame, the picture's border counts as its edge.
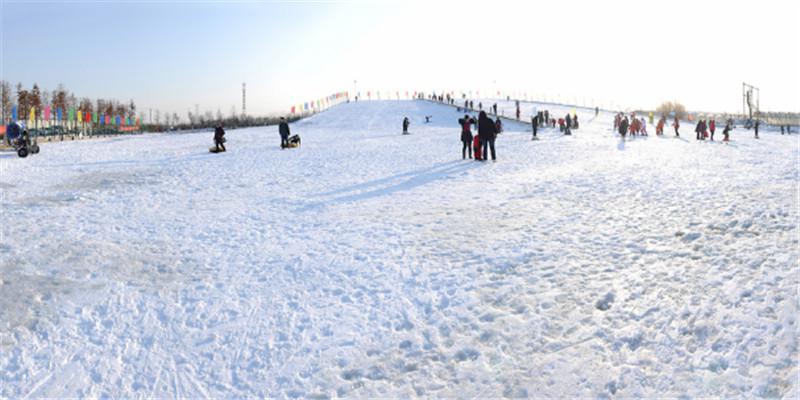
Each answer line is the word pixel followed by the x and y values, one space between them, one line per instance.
pixel 60 97
pixel 23 102
pixel 36 99
pixel 132 109
pixel 669 107
pixel 5 101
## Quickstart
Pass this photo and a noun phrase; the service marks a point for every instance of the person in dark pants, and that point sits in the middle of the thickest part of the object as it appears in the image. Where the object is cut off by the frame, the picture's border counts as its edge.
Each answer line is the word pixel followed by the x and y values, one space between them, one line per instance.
pixel 486 132
pixel 494 107
pixel 568 120
pixel 466 136
pixel 756 128
pixel 283 129
pixel 534 124
pixel 623 127
pixel 219 137
pixel 727 131
pixel 698 129
pixel 676 125
pixel 406 122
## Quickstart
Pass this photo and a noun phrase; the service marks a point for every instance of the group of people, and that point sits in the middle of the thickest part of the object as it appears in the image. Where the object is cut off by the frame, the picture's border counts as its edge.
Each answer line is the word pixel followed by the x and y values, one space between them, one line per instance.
pixel 638 126
pixel 484 142
pixel 219 136
pixel 703 128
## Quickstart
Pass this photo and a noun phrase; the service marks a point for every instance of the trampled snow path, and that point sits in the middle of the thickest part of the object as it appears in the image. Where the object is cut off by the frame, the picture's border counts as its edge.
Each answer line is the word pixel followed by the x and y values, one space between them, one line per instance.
pixel 367 263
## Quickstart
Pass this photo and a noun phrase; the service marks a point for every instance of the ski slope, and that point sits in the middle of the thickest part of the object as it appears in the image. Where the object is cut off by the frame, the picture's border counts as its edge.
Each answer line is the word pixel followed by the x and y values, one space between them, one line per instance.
pixel 371 264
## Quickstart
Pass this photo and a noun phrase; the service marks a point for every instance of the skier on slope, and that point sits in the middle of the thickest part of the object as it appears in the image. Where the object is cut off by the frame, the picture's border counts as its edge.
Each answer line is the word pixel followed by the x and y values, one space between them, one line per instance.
pixel 466 135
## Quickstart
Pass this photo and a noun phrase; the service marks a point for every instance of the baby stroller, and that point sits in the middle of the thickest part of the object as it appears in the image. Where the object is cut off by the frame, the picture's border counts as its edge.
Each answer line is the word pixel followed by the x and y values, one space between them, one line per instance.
pixel 294 141
pixel 18 138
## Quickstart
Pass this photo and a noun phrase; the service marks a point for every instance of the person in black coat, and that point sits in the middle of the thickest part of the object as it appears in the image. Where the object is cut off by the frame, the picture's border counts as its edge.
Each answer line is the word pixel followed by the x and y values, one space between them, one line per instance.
pixel 623 127
pixel 283 129
pixel 487 134
pixel 466 135
pixel 406 122
pixel 219 137
pixel 756 127
pixel 568 120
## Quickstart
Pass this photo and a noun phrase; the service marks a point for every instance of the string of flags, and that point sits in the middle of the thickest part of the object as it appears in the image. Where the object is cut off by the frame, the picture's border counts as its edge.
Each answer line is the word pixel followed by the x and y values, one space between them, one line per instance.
pixel 320 104
pixel 58 114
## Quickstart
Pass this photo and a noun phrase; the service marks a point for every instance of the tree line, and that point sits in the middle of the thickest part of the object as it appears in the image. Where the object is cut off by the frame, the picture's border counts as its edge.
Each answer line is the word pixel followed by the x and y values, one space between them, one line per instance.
pixel 61 98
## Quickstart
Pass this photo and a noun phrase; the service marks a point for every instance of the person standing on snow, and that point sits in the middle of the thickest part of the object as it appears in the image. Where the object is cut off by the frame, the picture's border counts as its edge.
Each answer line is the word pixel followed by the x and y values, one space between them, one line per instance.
pixel 498 125
pixel 406 123
pixel 487 134
pixel 726 132
pixel 219 137
pixel 534 123
pixel 283 130
pixel 698 129
pixel 712 126
pixel 623 127
pixel 676 125
pixel 660 126
pixel 466 135
pixel 568 124
pixel 756 127
pixel 494 107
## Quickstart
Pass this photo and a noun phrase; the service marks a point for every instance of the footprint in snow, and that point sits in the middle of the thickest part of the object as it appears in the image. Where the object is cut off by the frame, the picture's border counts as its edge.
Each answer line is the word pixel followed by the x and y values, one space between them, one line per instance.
pixel 605 303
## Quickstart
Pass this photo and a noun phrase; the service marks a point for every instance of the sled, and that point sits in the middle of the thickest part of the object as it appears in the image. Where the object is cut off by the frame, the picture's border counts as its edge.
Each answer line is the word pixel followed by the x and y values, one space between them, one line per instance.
pixel 215 150
pixel 476 148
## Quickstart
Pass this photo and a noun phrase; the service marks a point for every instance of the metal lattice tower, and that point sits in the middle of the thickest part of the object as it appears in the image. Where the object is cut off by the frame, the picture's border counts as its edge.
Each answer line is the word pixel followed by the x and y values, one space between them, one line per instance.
pixel 751 98
pixel 244 98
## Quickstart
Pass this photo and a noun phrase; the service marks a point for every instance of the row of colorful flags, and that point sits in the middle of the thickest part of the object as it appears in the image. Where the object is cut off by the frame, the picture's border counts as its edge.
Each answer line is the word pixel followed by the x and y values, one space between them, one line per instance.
pixel 319 104
pixel 75 115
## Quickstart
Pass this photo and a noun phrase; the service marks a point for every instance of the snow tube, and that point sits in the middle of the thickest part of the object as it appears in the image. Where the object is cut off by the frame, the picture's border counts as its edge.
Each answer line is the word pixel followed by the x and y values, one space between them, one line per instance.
pixel 476 147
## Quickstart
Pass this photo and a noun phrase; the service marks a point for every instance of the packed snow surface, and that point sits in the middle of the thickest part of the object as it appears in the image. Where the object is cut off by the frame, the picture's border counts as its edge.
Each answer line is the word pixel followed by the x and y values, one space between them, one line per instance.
pixel 367 263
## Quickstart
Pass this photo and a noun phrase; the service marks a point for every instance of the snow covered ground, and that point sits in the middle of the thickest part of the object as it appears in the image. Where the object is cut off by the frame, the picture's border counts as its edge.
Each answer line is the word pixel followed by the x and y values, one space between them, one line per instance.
pixel 367 263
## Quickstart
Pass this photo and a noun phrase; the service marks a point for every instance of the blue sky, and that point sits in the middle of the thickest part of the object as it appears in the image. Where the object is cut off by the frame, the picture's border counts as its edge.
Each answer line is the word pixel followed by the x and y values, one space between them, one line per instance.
pixel 173 55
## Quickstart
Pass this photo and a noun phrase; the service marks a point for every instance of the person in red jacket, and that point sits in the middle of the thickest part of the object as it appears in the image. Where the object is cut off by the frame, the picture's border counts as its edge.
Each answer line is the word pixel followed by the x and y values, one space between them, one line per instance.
pixel 466 135
pixel 712 126
pixel 660 127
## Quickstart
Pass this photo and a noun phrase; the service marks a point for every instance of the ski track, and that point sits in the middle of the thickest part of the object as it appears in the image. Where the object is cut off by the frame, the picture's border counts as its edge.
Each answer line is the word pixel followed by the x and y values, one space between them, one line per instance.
pixel 370 264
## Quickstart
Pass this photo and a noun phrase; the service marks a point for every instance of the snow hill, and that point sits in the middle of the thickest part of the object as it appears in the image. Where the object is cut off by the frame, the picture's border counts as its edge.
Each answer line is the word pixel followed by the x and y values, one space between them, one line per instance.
pixel 367 263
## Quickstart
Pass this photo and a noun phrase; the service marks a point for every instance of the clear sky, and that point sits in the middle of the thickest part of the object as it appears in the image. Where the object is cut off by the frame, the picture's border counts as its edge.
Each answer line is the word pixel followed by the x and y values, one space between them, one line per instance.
pixel 173 55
